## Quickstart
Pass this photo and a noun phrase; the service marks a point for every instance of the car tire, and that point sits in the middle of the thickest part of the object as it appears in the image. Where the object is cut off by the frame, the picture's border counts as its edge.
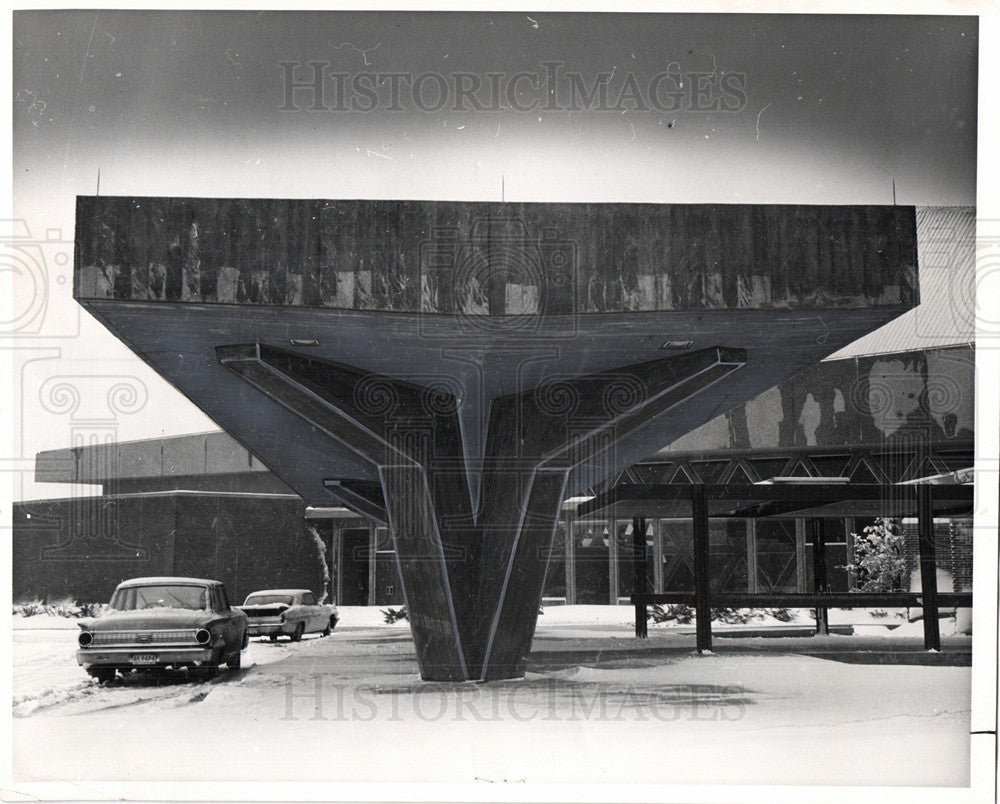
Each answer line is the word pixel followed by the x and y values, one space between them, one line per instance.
pixel 104 675
pixel 300 629
pixel 273 637
pixel 235 661
pixel 330 626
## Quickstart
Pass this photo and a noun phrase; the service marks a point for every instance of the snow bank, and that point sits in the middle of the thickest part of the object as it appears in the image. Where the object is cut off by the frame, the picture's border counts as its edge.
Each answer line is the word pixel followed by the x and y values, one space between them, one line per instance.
pixel 45 622
pixel 367 617
pixel 587 615
pixel 605 617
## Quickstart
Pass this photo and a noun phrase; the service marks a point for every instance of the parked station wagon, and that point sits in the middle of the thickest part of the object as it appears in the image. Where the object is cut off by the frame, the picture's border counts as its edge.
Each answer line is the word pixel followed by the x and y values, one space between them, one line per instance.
pixel 292 612
pixel 160 623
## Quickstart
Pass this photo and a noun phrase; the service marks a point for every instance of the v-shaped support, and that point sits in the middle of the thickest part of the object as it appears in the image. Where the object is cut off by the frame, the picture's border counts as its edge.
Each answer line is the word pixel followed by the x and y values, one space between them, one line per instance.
pixel 473 579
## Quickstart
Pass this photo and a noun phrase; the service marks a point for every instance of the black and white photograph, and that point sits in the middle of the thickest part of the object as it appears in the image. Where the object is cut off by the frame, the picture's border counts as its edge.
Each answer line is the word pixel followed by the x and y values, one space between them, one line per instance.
pixel 588 403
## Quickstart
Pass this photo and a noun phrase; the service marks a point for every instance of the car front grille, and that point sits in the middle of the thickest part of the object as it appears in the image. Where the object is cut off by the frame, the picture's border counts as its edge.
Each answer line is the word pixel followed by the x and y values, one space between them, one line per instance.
pixel 185 635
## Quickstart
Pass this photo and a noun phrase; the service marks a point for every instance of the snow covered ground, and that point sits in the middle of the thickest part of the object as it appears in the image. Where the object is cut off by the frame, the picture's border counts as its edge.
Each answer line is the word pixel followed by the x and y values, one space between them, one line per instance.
pixel 596 707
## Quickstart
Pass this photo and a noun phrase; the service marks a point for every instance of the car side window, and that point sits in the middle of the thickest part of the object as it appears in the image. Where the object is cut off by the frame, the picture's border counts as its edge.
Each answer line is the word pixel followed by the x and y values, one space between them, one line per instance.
pixel 223 600
pixel 308 599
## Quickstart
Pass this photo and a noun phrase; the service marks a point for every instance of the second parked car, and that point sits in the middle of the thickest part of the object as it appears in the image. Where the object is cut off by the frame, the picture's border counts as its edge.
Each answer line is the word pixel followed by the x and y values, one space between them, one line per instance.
pixel 292 612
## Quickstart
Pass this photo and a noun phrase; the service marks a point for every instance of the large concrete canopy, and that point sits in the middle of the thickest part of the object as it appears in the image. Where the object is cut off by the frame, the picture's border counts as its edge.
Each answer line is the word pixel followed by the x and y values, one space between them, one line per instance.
pixel 479 362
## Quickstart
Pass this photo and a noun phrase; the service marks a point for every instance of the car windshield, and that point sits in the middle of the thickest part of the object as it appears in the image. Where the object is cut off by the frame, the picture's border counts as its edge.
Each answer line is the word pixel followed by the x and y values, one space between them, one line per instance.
pixel 170 596
pixel 264 600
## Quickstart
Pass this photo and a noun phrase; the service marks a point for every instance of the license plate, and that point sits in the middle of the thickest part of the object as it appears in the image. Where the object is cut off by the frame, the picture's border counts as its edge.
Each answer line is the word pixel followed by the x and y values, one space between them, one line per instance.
pixel 144 658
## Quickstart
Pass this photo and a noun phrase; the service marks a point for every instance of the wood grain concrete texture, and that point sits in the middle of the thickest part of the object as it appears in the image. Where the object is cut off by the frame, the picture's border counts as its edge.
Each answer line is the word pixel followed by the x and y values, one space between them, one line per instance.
pixel 492 258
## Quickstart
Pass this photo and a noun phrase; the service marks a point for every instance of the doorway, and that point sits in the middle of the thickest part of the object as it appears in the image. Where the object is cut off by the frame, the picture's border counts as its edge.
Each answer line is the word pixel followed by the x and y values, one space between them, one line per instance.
pixel 355 562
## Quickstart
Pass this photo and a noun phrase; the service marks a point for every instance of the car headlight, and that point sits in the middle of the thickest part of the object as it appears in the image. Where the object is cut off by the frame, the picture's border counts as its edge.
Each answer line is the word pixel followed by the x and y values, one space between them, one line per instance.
pixel 85 639
pixel 203 636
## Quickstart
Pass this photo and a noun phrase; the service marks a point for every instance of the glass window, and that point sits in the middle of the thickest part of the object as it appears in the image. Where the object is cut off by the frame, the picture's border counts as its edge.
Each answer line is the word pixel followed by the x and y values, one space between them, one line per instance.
pixel 591 540
pixel 308 599
pixel 728 555
pixel 555 574
pixel 677 551
pixel 266 600
pixel 836 554
pixel 777 569
pixel 161 596
pixel 627 554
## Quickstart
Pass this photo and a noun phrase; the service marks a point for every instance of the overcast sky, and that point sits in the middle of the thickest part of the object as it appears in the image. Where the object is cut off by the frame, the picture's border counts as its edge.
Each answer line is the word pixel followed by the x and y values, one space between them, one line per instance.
pixel 186 103
pixel 814 109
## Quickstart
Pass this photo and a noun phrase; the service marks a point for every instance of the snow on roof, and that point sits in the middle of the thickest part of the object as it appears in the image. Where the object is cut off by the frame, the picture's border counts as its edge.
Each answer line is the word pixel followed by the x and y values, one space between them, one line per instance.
pixel 280 592
pixel 167 580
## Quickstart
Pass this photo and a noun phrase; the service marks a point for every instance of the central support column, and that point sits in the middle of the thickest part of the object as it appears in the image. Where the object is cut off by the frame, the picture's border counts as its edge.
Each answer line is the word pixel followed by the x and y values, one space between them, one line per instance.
pixel 472 578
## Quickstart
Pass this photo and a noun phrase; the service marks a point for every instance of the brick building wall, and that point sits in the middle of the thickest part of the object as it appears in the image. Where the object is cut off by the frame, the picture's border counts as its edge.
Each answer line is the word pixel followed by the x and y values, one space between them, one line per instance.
pixel 84 547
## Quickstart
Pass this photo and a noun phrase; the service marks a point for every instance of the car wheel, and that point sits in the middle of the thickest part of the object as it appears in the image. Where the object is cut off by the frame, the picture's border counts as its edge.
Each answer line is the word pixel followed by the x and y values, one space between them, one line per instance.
pixel 330 626
pixel 104 675
pixel 234 662
pixel 300 629
pixel 273 637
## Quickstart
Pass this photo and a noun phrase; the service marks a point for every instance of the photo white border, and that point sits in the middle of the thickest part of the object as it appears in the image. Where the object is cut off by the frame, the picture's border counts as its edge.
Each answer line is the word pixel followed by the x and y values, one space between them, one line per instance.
pixel 987 440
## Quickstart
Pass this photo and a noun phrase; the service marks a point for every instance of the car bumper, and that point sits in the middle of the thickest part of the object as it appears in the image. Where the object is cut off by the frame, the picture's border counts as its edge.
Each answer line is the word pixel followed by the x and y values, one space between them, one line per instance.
pixel 147 656
pixel 270 629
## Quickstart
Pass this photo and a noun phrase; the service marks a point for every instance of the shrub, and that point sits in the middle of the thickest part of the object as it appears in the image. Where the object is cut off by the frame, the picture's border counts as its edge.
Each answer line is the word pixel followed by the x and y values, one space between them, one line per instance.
pixel 93 609
pixel 683 614
pixel 394 615
pixel 737 616
pixel 675 612
pixel 879 560
pixel 66 607
pixel 29 608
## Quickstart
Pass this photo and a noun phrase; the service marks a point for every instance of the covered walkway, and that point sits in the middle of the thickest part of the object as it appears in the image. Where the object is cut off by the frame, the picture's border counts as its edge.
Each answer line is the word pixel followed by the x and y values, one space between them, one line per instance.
pixel 811 498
